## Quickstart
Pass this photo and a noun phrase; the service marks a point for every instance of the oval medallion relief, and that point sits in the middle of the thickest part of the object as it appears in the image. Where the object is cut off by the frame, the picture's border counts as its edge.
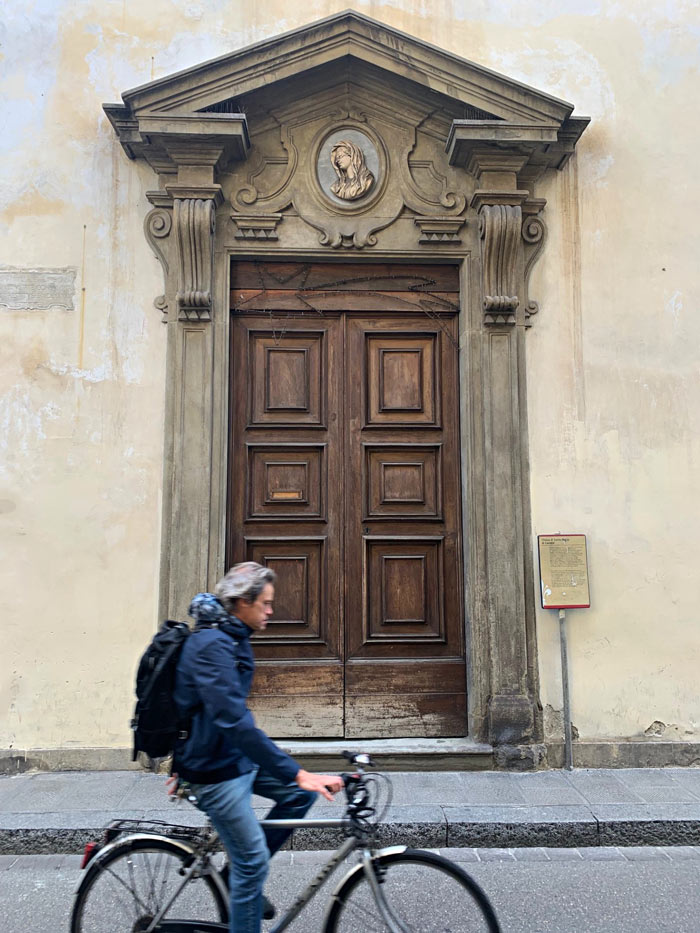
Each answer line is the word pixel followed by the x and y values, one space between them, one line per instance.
pixel 348 167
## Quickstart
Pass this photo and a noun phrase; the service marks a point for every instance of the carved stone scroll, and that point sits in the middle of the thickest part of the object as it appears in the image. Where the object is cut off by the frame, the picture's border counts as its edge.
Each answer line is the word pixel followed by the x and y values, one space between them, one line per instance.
pixel 500 229
pixel 194 228
pixel 534 234
pixel 157 227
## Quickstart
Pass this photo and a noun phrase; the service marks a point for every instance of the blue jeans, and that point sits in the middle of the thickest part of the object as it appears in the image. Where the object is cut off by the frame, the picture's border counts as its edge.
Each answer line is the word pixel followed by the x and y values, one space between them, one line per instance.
pixel 248 846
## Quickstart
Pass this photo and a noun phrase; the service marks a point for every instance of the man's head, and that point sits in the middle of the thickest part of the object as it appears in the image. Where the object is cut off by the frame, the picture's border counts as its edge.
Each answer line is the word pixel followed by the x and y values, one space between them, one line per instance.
pixel 247 592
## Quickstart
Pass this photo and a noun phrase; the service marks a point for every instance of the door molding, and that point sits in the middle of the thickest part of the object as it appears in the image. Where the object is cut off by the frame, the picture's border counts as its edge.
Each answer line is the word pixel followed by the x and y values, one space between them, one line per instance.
pixel 446 187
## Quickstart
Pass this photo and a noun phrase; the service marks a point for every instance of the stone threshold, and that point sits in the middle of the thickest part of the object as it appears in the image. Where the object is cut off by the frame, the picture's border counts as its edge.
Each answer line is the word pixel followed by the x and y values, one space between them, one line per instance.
pixel 407 754
pixel 401 754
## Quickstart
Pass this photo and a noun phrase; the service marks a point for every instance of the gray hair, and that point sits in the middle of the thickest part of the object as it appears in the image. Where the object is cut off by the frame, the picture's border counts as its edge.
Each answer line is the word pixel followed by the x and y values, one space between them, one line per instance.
pixel 243 581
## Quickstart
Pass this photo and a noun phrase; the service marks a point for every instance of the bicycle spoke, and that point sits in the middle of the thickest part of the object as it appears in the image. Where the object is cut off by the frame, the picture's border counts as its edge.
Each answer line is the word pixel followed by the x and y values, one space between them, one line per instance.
pixel 126 898
pixel 131 887
pixel 151 889
pixel 132 883
pixel 163 883
pixel 159 896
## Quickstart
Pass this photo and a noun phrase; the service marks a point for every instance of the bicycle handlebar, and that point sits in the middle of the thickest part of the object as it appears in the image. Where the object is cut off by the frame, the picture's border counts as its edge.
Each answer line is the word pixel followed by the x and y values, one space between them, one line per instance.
pixel 358 758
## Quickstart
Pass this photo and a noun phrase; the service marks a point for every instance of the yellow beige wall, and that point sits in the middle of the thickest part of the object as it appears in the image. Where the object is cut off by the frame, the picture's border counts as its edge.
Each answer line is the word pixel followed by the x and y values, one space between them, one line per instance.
pixel 613 373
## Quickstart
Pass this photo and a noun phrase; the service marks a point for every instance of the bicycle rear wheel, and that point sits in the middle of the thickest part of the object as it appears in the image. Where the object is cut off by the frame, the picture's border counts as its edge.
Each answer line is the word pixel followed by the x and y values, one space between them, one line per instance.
pixel 426 893
pixel 125 889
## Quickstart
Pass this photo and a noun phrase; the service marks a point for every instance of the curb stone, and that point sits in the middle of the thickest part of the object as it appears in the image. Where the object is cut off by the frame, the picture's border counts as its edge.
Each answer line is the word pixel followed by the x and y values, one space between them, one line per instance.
pixel 430 830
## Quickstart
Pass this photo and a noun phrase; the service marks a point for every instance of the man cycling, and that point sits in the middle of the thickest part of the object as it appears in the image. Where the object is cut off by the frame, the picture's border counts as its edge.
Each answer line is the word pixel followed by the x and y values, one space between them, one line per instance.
pixel 226 758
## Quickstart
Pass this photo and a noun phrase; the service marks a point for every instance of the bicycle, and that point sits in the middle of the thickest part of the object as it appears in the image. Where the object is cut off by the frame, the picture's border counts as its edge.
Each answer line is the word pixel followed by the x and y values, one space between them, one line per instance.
pixel 160 878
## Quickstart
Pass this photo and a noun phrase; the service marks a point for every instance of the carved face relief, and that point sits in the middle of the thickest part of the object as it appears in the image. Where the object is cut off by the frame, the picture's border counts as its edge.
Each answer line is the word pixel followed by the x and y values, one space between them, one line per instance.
pixel 347 166
pixel 354 178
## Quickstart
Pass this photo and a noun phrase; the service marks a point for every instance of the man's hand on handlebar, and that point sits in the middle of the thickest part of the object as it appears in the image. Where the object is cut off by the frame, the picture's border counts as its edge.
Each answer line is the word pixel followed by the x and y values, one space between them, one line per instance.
pixel 325 784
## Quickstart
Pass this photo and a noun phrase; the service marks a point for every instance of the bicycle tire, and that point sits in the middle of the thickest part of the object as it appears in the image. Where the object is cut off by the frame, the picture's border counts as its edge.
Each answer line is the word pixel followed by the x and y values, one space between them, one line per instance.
pixel 124 889
pixel 426 892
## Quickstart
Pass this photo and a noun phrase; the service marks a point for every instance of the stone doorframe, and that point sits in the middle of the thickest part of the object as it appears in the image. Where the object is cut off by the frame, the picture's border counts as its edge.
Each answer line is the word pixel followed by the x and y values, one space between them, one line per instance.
pixel 486 217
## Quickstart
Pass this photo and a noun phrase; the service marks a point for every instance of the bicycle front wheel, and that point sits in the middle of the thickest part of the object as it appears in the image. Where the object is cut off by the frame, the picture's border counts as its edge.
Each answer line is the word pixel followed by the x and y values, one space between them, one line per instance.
pixel 424 893
pixel 124 890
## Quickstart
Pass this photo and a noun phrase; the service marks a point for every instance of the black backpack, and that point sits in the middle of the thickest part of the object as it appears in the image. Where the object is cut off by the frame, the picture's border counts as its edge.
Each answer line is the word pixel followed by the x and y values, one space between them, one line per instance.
pixel 157 723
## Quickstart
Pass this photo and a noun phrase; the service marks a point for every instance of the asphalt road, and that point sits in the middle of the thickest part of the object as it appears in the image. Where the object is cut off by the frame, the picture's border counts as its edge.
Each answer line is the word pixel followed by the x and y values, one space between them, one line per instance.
pixel 534 891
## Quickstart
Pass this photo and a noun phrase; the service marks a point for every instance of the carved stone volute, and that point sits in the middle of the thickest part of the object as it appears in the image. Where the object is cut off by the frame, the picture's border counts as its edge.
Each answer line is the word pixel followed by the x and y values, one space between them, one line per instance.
pixel 498 201
pixel 157 226
pixel 180 230
pixel 534 233
pixel 499 229
pixel 194 221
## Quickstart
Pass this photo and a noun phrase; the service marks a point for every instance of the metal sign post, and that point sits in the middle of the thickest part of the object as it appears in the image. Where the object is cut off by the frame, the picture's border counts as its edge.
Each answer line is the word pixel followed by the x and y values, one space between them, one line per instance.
pixel 564 585
pixel 568 743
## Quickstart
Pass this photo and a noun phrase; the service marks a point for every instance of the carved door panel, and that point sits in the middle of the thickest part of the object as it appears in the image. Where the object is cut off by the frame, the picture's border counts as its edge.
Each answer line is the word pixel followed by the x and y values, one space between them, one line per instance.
pixel 345 480
pixel 285 512
pixel 405 671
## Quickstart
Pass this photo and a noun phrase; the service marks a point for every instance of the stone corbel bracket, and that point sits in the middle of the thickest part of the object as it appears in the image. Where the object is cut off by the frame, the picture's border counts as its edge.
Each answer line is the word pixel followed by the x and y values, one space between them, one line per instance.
pixel 500 228
pixel 506 159
pixel 499 232
pixel 194 216
pixel 186 151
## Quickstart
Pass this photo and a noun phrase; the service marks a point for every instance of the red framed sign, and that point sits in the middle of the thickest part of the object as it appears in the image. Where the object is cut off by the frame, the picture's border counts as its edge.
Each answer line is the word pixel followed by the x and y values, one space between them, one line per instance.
pixel 563 572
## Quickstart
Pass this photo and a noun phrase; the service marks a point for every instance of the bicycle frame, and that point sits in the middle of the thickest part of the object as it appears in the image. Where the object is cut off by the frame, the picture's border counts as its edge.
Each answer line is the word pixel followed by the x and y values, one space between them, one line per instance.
pixel 314 886
pixel 341 853
pixel 351 844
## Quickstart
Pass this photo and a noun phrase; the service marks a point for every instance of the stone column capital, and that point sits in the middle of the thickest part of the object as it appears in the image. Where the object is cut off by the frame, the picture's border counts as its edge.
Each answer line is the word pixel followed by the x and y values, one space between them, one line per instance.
pixel 210 192
pixel 496 170
pixel 483 197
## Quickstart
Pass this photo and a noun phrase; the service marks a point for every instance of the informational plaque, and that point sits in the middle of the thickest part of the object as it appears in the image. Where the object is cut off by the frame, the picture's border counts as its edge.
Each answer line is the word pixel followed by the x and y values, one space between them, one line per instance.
pixel 563 572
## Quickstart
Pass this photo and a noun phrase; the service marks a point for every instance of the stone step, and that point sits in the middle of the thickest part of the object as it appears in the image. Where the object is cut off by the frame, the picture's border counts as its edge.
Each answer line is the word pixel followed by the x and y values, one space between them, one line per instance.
pixel 457 754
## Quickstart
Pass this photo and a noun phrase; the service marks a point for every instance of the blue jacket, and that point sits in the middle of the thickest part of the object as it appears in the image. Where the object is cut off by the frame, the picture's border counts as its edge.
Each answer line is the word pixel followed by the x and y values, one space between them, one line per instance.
pixel 213 678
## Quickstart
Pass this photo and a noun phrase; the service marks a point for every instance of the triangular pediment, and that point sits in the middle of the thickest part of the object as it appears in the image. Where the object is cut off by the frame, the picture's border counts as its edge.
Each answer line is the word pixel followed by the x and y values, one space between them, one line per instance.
pixel 343 41
pixel 224 101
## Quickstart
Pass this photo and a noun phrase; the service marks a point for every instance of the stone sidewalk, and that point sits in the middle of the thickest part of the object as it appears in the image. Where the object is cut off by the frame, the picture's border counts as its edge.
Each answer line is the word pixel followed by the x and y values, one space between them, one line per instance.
pixel 59 812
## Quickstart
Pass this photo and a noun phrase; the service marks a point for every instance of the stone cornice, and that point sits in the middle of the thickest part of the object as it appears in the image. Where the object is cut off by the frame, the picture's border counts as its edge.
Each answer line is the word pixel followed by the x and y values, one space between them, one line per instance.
pixel 465 134
pixel 165 141
pixel 545 145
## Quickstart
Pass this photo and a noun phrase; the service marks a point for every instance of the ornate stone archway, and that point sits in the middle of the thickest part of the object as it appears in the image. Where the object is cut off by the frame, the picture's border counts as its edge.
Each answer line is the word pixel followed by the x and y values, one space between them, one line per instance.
pixel 241 147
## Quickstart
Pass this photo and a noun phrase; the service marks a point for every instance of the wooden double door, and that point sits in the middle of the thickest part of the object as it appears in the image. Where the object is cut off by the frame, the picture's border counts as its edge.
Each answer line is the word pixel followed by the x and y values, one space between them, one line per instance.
pixel 345 480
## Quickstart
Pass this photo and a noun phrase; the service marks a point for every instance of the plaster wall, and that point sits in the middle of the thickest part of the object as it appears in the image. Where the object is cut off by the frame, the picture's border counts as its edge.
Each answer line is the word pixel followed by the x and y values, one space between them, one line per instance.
pixel 612 354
